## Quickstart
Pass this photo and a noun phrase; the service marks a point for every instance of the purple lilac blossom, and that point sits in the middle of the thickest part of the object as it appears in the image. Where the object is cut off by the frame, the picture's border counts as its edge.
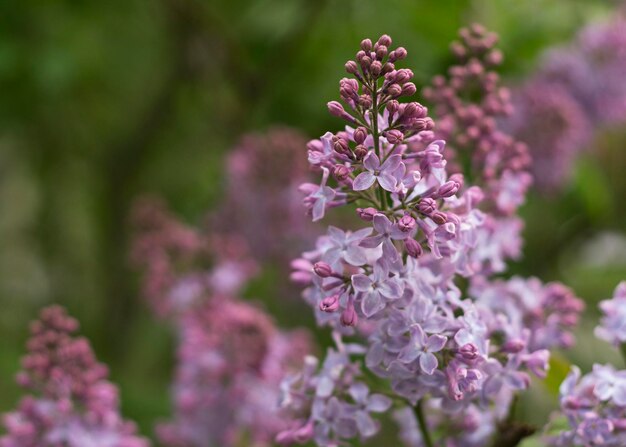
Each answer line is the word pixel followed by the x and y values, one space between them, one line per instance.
pixel 469 104
pixel 70 403
pixel 231 357
pixel 396 310
pixel 595 408
pixel 262 173
pixel 613 323
pixel 577 90
pixel 231 360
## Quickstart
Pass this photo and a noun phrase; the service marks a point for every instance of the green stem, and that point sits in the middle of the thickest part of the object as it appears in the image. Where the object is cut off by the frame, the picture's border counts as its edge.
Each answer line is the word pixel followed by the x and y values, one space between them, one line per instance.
pixel 421 420
pixel 622 349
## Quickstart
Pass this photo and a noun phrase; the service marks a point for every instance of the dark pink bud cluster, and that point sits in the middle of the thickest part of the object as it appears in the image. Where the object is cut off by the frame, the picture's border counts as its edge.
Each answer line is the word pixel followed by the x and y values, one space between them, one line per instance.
pixel 479 148
pixel 72 404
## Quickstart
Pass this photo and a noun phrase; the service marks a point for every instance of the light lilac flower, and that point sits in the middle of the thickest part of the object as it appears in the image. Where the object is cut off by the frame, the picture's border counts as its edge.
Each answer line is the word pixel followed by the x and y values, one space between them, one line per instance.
pixel 383 173
pixel 376 289
pixel 422 347
pixel 345 245
pixel 613 324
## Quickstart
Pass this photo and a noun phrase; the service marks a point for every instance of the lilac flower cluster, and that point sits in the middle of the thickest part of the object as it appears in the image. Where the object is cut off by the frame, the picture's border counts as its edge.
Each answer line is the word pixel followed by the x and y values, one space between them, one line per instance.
pixel 456 355
pixel 595 404
pixel 72 404
pixel 469 103
pixel 613 324
pixel 262 174
pixel 577 90
pixel 595 407
pixel 231 357
pixel 174 258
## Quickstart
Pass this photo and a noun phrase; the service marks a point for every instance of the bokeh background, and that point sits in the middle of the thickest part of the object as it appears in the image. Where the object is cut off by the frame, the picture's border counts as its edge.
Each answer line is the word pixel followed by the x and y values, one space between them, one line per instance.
pixel 103 102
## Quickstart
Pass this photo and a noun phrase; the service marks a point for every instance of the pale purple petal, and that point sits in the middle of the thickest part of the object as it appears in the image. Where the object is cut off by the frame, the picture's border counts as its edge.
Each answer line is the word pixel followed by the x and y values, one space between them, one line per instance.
pixel 359 392
pixel 319 208
pixel 392 163
pixel 371 161
pixel 355 256
pixel 390 289
pixel 387 181
pixel 381 223
pixel 363 181
pixel 359 234
pixel 436 343
pixel 371 304
pixel 418 337
pixel 336 234
pixel 428 362
pixel 366 425
pixel 361 283
pixel 409 353
pixel 378 403
pixel 372 241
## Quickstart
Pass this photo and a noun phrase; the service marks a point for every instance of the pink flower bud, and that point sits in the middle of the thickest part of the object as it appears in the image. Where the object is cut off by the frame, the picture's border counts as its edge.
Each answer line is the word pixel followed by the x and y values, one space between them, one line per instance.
pixel 468 352
pixel 336 109
pixel 448 189
pixel 409 89
pixel 439 218
pixel 384 40
pixel 341 172
pixel 349 316
pixel 351 67
pixel 413 248
pixel 330 303
pixel 392 107
pixel 376 68
pixel 341 146
pixel 366 45
pixel 322 269
pixel 427 206
pixel 367 214
pixel 400 53
pixel 360 134
pixel 394 90
pixel 394 136
pixel 513 346
pixel 406 223
pixel 360 152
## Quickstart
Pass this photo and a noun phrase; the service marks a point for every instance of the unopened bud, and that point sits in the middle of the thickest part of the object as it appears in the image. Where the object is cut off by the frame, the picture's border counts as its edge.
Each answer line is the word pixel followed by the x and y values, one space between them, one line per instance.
pixel 439 218
pixel 367 214
pixel 384 40
pixel 351 67
pixel 341 172
pixel 360 134
pixel 394 90
pixel 409 89
pixel 376 68
pixel 366 45
pixel 468 352
pixel 360 152
pixel 349 316
pixel 513 346
pixel 406 223
pixel 448 189
pixel 336 109
pixel 322 269
pixel 413 248
pixel 330 303
pixel 394 136
pixel 427 206
pixel 341 146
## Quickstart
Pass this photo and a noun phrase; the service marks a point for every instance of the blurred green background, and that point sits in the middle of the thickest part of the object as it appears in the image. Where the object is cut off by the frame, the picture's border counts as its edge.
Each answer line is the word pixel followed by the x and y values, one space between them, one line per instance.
pixel 104 101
